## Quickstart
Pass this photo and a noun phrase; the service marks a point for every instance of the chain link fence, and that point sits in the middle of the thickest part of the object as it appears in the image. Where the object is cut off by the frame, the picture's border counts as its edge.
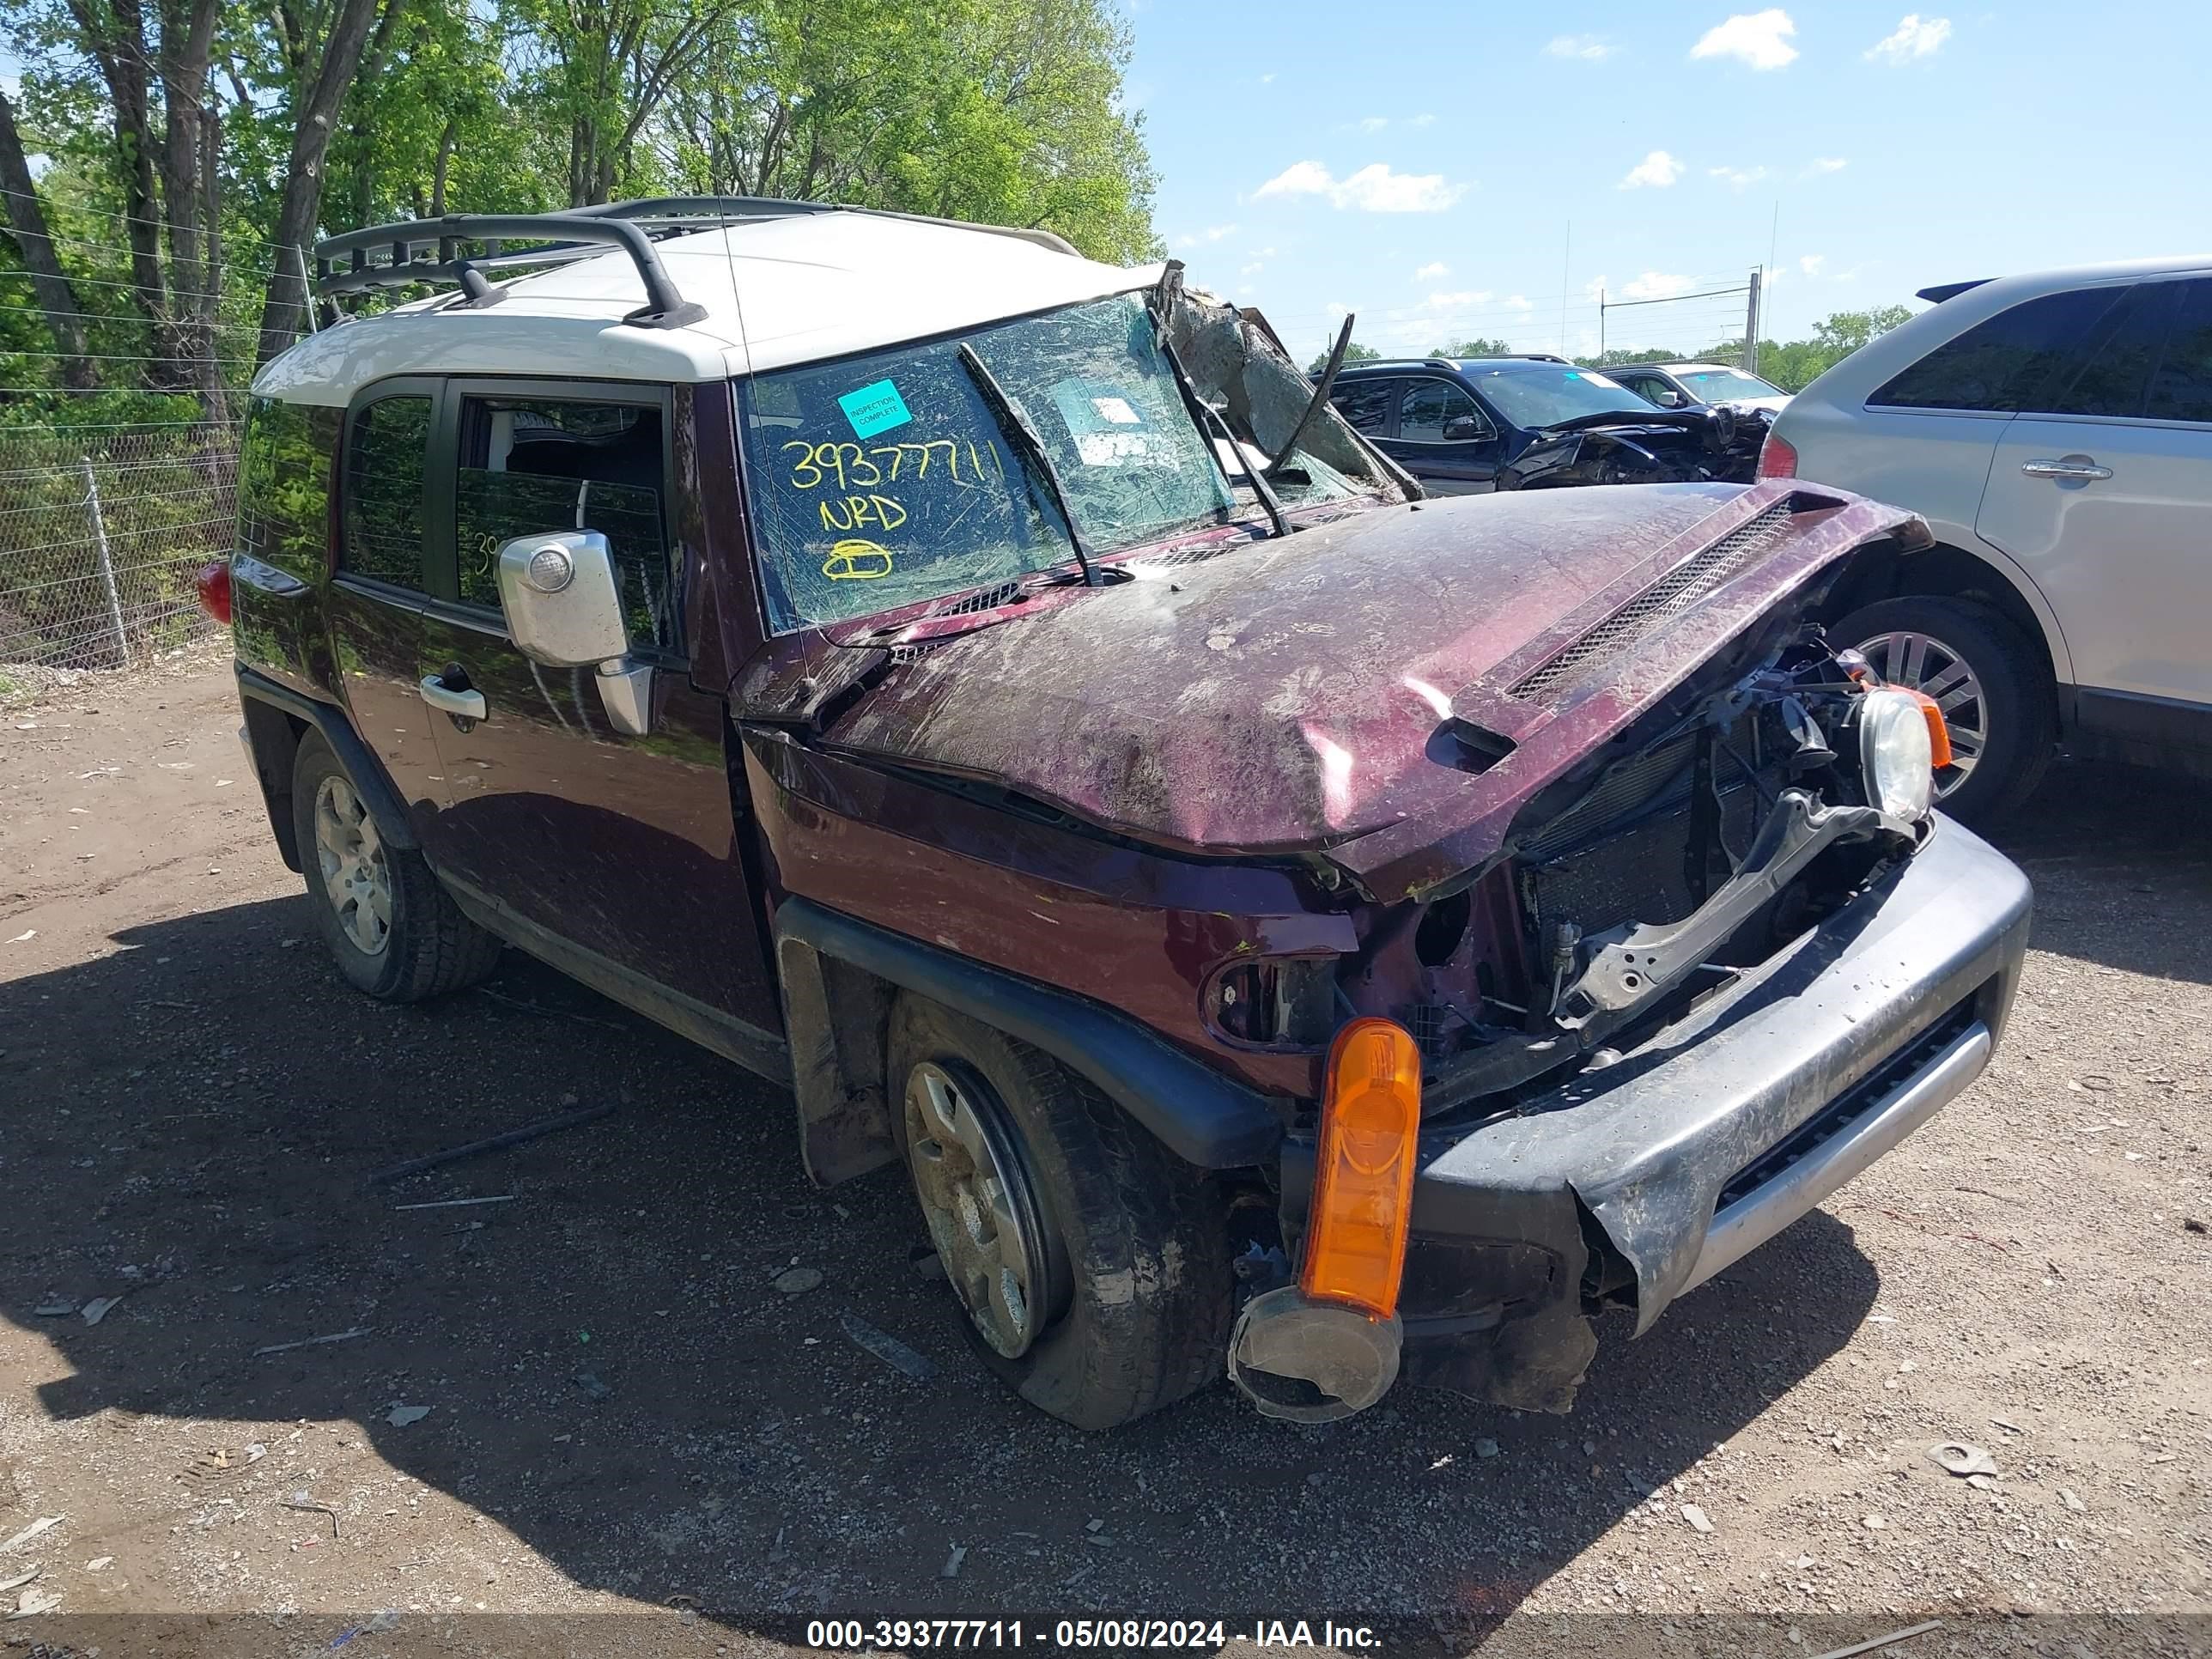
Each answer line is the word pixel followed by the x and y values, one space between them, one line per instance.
pixel 101 534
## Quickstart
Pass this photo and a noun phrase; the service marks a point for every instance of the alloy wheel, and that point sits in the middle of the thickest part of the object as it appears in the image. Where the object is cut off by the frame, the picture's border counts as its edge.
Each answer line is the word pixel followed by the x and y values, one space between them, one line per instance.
pixel 981 1206
pixel 1921 662
pixel 349 853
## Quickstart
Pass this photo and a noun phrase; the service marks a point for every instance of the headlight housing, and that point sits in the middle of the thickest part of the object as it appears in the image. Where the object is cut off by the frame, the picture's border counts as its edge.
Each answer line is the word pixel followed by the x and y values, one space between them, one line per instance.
pixel 1896 758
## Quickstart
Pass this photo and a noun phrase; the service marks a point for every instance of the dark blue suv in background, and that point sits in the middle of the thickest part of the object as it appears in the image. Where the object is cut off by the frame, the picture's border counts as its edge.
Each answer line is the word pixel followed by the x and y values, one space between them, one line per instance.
pixel 1471 425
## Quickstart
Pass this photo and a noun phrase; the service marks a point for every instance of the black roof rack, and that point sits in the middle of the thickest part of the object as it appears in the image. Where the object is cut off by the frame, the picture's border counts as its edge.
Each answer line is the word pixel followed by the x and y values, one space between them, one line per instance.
pixel 467 245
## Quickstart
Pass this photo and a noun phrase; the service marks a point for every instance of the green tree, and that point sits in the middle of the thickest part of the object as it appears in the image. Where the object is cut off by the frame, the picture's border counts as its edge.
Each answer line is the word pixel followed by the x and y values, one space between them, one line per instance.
pixel 1353 353
pixel 1476 348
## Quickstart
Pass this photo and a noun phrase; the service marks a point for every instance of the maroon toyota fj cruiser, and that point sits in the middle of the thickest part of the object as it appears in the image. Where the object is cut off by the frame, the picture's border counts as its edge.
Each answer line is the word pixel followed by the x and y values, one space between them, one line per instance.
pixel 1278 922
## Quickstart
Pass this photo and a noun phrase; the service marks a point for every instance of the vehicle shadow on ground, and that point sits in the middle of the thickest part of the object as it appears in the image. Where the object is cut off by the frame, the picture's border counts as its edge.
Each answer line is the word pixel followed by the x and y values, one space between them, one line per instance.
pixel 614 1380
pixel 2121 857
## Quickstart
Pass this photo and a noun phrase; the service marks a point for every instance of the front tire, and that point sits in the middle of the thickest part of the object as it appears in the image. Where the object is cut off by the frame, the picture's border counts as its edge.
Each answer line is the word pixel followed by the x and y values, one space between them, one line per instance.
pixel 393 931
pixel 1092 1264
pixel 1996 695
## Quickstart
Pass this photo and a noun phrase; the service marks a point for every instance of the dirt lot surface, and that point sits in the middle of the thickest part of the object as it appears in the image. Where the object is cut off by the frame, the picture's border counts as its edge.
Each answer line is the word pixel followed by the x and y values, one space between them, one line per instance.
pixel 624 1438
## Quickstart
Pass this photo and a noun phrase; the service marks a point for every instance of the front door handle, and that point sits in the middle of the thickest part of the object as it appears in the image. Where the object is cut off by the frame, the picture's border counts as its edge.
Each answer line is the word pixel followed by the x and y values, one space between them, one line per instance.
pixel 463 705
pixel 2078 469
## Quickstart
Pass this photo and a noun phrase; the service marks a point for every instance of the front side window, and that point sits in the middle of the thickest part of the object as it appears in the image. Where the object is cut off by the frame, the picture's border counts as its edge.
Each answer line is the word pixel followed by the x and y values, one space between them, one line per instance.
pixel 2003 364
pixel 881 480
pixel 530 465
pixel 384 459
pixel 1437 411
pixel 1542 395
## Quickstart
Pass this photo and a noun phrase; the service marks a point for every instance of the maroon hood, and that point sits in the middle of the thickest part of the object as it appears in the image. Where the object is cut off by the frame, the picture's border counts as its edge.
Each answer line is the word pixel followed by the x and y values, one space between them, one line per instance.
pixel 1298 692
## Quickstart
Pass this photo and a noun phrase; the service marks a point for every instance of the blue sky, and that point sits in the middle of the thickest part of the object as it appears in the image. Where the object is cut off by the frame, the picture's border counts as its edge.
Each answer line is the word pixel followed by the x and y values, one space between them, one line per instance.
pixel 1421 163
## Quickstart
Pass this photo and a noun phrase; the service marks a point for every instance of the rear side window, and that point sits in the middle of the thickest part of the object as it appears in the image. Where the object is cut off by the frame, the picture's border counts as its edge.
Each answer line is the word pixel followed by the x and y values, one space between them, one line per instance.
pixel 284 485
pixel 1430 406
pixel 1365 404
pixel 2117 378
pixel 2181 388
pixel 2007 361
pixel 384 459
pixel 536 464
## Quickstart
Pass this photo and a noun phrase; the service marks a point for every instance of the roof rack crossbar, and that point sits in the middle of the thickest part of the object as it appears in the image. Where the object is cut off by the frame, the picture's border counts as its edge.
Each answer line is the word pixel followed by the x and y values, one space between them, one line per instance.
pixel 568 235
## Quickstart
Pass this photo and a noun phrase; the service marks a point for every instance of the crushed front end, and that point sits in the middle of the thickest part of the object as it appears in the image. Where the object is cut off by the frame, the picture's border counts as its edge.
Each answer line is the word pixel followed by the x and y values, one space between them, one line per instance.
pixel 1705 976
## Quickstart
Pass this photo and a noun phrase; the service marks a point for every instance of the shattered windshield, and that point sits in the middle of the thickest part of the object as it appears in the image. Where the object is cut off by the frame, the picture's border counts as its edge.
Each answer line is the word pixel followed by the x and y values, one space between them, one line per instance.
pixel 881 480
pixel 1543 395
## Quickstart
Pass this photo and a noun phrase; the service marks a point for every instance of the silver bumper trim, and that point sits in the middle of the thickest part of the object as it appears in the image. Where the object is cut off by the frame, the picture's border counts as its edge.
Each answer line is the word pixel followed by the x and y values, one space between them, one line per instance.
pixel 1759 1214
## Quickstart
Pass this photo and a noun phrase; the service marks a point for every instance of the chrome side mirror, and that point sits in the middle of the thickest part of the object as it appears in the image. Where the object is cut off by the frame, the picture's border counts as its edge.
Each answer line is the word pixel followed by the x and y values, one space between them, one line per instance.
pixel 563 606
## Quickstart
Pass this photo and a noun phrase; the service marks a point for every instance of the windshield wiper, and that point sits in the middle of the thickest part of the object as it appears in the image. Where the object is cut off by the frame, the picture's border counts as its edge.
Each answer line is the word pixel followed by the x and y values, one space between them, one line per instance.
pixel 1322 388
pixel 1202 412
pixel 1015 422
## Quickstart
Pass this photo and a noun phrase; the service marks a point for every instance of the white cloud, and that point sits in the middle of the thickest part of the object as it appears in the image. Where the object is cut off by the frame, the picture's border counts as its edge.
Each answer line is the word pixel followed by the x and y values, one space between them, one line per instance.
pixel 1760 39
pixel 1265 253
pixel 1254 269
pixel 1516 303
pixel 1434 268
pixel 1211 234
pixel 1658 170
pixel 1593 289
pixel 1657 285
pixel 1810 263
pixel 1423 119
pixel 1374 189
pixel 1589 47
pixel 1268 79
pixel 1459 300
pixel 1738 178
pixel 1374 122
pixel 1824 164
pixel 1914 37
pixel 1338 308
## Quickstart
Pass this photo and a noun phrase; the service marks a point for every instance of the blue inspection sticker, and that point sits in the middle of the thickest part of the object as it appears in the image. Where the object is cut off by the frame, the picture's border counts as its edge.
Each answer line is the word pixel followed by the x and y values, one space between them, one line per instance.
pixel 874 409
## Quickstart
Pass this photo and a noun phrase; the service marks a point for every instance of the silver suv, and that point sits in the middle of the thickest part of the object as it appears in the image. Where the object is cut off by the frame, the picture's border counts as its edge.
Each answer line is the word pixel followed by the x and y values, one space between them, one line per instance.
pixel 2055 430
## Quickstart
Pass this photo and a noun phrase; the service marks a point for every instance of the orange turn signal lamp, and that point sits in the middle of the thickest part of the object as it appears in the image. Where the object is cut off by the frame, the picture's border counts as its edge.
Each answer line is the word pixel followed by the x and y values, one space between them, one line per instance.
pixel 1363 1201
pixel 1939 735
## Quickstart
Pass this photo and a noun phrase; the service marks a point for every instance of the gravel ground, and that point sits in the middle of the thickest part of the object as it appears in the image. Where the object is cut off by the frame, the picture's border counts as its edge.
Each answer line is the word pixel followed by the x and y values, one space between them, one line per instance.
pixel 586 1408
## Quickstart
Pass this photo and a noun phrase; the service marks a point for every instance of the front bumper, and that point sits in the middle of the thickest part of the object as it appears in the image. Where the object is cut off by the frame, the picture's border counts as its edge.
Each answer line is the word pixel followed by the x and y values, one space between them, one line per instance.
pixel 1646 1178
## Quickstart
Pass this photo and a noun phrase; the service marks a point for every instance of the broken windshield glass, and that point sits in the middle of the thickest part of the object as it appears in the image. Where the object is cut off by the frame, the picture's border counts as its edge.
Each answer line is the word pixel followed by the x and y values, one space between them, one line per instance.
pixel 880 480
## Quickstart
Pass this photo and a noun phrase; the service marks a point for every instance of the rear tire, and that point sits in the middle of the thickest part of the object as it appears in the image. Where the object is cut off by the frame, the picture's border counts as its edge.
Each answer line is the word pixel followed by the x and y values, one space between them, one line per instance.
pixel 1128 1287
pixel 2005 706
pixel 393 931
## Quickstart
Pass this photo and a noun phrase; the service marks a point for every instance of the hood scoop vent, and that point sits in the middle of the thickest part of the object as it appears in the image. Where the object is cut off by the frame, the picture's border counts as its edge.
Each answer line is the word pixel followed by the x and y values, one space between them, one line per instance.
pixel 1677 590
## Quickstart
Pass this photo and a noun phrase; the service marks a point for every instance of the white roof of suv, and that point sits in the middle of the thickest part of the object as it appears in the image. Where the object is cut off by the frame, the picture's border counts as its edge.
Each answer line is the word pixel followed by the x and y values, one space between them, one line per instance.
pixel 776 292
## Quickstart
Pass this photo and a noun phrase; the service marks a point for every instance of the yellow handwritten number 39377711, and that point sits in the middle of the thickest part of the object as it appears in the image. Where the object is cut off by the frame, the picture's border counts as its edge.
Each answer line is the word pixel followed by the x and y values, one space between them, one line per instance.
pixel 856 560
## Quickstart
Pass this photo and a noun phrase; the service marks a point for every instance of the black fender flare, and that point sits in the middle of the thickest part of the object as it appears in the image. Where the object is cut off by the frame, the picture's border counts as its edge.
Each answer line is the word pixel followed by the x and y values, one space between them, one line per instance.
pixel 1209 1121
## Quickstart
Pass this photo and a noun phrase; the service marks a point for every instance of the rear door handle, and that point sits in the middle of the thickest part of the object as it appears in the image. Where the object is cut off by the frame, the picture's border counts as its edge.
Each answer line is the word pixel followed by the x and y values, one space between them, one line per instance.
pixel 2080 469
pixel 465 705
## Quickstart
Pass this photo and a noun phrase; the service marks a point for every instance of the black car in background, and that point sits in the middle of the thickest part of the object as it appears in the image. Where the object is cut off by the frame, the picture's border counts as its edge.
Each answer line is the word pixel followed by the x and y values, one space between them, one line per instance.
pixel 1467 425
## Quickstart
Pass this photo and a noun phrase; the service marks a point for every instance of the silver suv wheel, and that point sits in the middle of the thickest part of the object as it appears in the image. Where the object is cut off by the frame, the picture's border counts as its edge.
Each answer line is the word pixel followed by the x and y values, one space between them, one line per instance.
pixel 1921 662
pixel 980 1202
pixel 351 855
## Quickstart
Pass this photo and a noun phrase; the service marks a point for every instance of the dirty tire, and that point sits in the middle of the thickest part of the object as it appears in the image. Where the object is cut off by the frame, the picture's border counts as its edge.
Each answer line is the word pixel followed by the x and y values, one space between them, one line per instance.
pixel 2022 713
pixel 431 948
pixel 1148 1298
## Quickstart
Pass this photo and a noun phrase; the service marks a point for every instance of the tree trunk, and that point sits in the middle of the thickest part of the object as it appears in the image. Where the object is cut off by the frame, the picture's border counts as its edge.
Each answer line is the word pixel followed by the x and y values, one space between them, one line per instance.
pixel 57 297
pixel 284 305
pixel 186 337
pixel 115 37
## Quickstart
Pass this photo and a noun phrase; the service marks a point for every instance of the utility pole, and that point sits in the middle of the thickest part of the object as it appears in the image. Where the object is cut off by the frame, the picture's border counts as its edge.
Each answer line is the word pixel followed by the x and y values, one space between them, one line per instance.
pixel 1751 328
